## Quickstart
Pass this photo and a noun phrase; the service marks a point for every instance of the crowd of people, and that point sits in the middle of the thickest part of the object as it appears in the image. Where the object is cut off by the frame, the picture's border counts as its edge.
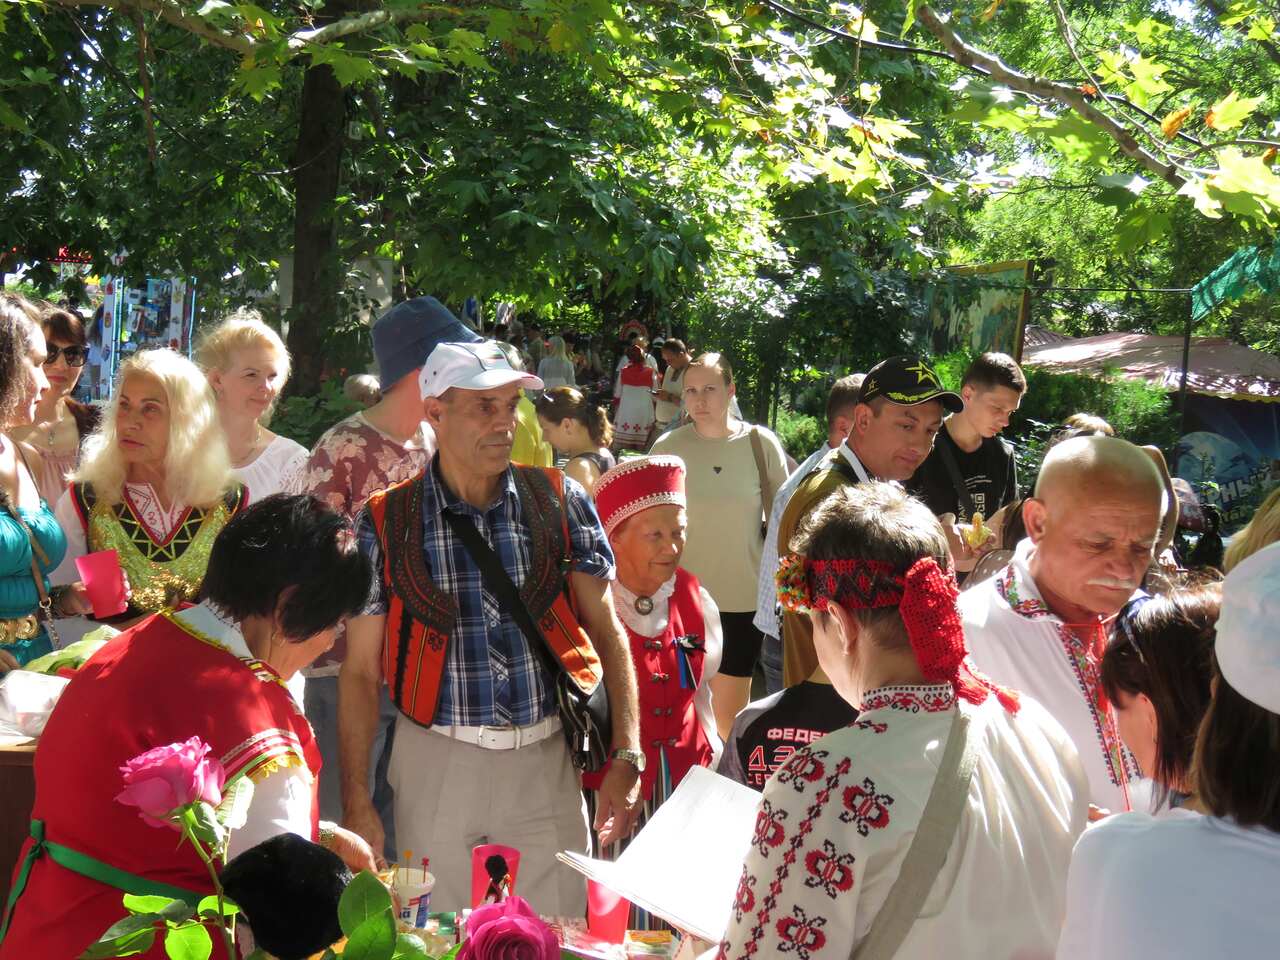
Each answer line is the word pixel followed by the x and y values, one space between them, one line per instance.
pixel 997 722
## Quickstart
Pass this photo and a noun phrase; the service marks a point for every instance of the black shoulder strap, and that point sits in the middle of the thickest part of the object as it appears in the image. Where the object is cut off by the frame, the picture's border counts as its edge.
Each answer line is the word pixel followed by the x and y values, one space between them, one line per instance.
pixel 499 582
pixel 957 481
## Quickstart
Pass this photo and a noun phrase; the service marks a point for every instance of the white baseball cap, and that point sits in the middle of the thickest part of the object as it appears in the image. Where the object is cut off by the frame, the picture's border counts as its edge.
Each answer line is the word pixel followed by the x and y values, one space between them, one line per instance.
pixel 470 366
pixel 1248 644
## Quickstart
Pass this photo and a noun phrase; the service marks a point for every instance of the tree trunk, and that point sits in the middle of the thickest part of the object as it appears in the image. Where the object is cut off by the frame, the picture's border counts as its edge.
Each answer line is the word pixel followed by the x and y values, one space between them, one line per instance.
pixel 317 272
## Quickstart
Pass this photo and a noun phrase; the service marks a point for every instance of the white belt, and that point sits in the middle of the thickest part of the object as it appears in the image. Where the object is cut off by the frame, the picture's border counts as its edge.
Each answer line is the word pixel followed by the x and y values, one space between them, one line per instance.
pixel 501 738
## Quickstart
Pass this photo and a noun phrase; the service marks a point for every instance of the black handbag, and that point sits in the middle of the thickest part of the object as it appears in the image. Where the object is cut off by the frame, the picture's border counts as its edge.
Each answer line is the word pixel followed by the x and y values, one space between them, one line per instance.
pixel 585 717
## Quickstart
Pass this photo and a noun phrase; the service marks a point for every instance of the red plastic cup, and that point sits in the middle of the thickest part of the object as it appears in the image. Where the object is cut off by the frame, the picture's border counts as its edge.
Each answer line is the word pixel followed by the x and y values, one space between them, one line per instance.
pixel 479 876
pixel 103 582
pixel 607 913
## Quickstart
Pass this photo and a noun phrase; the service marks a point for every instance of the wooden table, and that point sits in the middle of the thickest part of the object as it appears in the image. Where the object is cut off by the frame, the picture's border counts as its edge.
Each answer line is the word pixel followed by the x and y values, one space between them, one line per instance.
pixel 17 794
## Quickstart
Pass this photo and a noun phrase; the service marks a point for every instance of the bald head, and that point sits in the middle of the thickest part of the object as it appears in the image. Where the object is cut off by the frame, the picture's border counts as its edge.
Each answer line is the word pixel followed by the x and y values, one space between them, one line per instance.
pixel 1093 520
pixel 1087 466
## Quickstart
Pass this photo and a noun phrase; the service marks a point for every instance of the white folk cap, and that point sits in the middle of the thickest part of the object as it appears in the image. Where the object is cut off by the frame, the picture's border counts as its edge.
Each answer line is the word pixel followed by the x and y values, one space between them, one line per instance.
pixel 1248 643
pixel 470 366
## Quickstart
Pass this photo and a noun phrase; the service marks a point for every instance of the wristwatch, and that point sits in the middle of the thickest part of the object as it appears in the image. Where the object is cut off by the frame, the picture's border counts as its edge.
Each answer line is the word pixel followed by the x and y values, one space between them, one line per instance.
pixel 633 757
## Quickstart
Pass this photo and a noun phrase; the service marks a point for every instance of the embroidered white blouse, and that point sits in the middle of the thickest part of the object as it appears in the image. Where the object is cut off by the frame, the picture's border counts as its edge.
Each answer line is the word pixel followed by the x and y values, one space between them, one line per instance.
pixel 655 622
pixel 1017 641
pixel 279 468
pixel 836 820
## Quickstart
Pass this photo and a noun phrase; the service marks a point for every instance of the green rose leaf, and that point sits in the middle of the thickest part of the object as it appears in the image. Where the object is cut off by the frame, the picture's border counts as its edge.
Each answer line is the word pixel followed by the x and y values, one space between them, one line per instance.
pixel 233 811
pixel 409 947
pixel 125 938
pixel 364 897
pixel 374 939
pixel 208 907
pixel 203 821
pixel 190 941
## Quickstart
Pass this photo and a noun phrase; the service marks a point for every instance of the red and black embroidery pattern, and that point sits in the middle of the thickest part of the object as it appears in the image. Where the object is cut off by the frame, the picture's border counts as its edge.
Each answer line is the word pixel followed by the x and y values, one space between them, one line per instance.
pixel 804 767
pixel 864 808
pixel 801 934
pixel 874 726
pixel 926 698
pixel 829 870
pixel 769 829
pixel 744 901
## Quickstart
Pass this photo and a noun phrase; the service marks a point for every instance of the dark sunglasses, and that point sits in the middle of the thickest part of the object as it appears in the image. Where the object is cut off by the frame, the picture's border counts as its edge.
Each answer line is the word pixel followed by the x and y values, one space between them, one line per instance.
pixel 75 356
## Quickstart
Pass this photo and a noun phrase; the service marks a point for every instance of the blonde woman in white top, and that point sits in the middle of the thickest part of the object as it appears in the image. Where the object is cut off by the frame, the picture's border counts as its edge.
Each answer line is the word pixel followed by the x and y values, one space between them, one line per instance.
pixel 556 368
pixel 247 366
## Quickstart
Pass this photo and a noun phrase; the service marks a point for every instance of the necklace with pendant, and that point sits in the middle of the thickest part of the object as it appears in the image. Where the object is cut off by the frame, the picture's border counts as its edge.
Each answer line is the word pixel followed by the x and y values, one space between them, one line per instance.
pixel 643 605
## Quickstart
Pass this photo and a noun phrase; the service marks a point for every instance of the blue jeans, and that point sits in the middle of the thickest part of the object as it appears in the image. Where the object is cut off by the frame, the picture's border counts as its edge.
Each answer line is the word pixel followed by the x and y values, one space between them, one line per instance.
pixel 771 663
pixel 322 710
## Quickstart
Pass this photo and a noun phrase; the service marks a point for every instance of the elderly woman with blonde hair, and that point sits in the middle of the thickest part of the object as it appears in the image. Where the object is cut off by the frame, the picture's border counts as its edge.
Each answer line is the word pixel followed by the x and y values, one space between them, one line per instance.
pixel 247 366
pixel 155 484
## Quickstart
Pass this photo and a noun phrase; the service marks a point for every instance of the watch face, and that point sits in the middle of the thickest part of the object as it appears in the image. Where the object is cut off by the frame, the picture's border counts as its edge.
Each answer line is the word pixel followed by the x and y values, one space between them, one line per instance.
pixel 633 757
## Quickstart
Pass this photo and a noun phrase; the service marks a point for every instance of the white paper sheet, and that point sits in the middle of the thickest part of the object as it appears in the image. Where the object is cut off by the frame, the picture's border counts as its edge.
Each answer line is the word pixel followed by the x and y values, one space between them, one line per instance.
pixel 684 865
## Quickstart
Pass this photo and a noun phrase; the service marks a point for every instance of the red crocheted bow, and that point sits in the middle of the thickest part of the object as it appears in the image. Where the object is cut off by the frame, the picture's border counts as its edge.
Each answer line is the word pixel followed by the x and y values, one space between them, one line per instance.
pixel 925 597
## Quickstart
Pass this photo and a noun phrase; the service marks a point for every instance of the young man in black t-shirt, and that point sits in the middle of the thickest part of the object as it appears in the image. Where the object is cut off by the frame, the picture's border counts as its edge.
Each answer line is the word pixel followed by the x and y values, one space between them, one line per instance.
pixel 992 389
pixel 769 731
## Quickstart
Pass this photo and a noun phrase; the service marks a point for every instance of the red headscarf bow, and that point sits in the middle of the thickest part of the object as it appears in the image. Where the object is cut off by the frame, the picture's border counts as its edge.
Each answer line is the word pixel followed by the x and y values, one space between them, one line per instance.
pixel 925 597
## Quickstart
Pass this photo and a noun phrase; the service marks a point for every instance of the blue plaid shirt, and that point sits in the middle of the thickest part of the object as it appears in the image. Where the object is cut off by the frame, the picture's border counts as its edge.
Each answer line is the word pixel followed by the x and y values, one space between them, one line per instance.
pixel 491 677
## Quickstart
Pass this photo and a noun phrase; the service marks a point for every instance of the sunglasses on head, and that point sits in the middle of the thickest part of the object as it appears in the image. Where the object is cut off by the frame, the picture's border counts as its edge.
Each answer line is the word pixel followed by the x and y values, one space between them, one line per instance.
pixel 75 356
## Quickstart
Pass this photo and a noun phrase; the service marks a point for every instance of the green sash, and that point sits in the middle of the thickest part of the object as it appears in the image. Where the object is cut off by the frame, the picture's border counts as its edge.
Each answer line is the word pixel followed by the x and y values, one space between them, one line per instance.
pixel 86 866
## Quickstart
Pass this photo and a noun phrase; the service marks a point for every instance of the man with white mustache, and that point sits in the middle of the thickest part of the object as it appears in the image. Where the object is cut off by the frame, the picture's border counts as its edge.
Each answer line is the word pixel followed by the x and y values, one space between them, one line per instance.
pixel 1042 624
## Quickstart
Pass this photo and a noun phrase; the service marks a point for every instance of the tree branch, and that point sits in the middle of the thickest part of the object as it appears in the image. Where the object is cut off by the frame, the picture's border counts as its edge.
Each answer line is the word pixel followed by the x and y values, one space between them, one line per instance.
pixel 1062 93
pixel 172 13
pixel 857 38
pixel 144 72
pixel 363 22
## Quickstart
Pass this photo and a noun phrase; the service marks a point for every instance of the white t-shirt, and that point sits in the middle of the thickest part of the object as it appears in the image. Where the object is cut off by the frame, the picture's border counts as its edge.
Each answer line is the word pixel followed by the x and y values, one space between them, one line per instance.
pixel 278 469
pixel 1173 888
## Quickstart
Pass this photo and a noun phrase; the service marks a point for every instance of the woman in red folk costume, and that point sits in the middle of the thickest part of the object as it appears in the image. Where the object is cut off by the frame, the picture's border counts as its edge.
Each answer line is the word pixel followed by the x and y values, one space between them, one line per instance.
pixel 280 579
pixel 671 621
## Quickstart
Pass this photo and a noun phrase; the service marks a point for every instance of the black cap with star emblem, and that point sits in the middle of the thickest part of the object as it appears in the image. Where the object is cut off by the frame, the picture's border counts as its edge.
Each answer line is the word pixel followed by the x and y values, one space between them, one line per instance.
pixel 907 381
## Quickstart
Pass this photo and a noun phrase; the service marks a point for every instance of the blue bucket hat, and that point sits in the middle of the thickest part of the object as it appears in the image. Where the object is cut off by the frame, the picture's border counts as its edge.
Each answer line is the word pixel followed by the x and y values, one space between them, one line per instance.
pixel 405 335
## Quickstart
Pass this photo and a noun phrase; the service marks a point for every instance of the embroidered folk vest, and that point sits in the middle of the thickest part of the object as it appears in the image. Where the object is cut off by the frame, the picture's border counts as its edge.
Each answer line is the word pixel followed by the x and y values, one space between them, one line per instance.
pixel 669 723
pixel 421 615
pixel 160 574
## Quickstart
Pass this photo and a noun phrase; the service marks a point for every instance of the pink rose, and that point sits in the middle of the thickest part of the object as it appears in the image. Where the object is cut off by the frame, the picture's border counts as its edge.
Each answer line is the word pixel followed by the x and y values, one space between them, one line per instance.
pixel 508 931
pixel 165 778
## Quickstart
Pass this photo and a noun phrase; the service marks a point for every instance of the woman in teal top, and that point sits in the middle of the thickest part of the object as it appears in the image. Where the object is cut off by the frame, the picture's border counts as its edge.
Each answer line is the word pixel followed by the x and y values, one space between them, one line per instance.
pixel 26 524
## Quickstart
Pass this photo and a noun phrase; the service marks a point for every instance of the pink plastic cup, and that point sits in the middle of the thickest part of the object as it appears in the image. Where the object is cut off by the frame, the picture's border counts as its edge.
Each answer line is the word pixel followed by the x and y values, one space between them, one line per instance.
pixel 103 582
pixel 607 913
pixel 480 877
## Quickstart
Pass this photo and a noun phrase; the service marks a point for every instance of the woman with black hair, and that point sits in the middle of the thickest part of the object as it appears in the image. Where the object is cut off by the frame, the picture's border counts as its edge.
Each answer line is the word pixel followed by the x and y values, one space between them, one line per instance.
pixel 281 578
pixel 1156 673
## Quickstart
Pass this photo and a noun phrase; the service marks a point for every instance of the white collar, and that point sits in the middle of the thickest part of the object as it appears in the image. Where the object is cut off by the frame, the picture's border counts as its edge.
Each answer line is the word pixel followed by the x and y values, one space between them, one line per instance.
pixel 846 451
pixel 642 623
pixel 215 625
pixel 218 627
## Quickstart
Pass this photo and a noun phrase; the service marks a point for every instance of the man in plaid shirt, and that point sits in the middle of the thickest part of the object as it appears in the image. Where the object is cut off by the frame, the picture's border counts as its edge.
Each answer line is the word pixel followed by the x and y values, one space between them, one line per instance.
pixel 493 765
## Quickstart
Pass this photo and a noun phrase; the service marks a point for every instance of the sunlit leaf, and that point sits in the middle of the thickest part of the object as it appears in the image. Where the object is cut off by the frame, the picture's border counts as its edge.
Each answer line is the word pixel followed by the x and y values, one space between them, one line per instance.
pixel 1231 111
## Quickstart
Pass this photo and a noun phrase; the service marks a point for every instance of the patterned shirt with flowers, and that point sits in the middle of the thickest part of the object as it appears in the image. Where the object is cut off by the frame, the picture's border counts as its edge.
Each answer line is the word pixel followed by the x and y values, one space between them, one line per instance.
pixel 352 462
pixel 837 819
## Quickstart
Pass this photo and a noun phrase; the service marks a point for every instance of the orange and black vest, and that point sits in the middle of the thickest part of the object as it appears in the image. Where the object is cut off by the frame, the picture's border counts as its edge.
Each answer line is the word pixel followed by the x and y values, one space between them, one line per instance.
pixel 421 616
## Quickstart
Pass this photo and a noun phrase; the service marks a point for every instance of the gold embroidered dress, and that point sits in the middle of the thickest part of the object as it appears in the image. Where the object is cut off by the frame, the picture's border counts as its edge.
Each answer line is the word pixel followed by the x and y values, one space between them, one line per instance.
pixel 164 551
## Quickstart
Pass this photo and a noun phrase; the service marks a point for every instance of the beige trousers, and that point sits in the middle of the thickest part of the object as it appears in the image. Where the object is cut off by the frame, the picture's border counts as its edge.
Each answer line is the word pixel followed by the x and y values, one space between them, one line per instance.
pixel 452 796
